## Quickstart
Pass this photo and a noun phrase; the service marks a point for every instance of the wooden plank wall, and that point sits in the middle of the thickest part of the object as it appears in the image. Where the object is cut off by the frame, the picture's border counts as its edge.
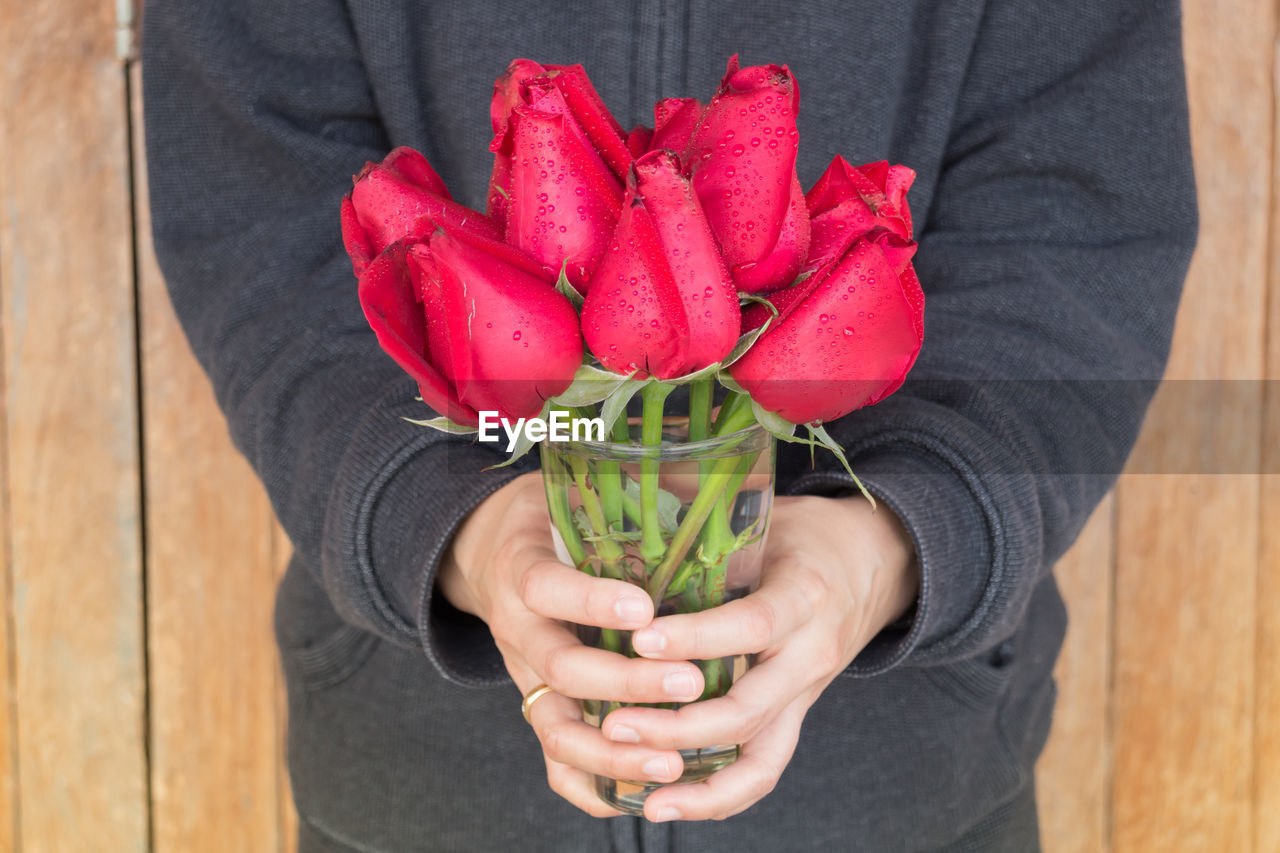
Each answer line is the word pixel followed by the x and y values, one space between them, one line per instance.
pixel 139 693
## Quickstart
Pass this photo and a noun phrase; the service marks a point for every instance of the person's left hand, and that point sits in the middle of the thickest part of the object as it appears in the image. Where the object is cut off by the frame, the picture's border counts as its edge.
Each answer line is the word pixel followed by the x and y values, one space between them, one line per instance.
pixel 835 573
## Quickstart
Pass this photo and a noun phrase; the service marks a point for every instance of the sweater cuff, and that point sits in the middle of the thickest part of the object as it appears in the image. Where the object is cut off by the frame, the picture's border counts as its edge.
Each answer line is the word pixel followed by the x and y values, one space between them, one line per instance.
pixel 949 531
pixel 416 516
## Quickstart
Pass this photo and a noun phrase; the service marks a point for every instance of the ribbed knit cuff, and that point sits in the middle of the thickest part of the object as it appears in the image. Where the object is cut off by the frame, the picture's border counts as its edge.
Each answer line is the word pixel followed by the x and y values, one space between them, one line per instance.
pixel 417 514
pixel 974 524
pixel 941 517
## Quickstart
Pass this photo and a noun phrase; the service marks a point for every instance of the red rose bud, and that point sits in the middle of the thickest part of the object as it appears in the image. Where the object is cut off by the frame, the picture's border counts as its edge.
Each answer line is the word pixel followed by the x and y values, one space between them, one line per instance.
pixel 401 197
pixel 845 337
pixel 388 296
pixel 491 332
pixel 662 301
pixel 510 341
pixel 564 201
pixel 638 140
pixel 781 266
pixel 674 120
pixel 743 158
pixel 506 97
pixel 606 135
pixel 850 201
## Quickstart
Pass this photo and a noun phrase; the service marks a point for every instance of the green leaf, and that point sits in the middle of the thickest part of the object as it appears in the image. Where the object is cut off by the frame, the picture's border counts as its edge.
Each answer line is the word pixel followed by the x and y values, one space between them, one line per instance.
pixel 749 298
pixel 583 523
pixel 732 384
pixel 615 405
pixel 444 425
pixel 523 443
pixel 775 424
pixel 709 370
pixel 568 291
pixel 819 432
pixel 681 579
pixel 668 505
pixel 622 537
pixel 590 385
pixel 800 278
pixel 744 343
pixel 747 536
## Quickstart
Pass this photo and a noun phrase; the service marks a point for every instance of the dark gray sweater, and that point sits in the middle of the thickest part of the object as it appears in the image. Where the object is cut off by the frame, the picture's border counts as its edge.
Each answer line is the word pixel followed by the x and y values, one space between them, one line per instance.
pixel 1056 211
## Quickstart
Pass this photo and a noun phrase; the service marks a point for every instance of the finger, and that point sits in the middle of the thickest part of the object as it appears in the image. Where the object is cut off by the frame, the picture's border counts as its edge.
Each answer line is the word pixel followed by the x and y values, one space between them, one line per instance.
pixel 743 626
pixel 574 749
pixel 754 701
pixel 579 788
pixel 583 672
pixel 557 591
pixel 741 784
pixel 567 740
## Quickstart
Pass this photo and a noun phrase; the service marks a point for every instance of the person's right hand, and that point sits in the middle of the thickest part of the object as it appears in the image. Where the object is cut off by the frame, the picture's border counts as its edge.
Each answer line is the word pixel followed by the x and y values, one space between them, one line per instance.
pixel 502 567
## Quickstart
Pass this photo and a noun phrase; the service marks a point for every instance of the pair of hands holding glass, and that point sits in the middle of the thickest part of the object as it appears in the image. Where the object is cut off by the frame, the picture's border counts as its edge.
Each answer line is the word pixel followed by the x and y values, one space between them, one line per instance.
pixel 835 573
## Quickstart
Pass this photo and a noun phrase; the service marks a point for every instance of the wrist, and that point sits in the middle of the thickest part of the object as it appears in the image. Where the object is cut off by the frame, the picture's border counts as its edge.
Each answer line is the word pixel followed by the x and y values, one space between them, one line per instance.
pixel 895 580
pixel 472 548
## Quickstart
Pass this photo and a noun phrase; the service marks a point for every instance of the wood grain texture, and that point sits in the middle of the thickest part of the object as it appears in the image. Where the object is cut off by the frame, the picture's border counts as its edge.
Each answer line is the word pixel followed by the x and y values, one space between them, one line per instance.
pixel 1187 535
pixel 1072 776
pixel 1266 804
pixel 282 550
pixel 211 584
pixel 71 415
pixel 8 717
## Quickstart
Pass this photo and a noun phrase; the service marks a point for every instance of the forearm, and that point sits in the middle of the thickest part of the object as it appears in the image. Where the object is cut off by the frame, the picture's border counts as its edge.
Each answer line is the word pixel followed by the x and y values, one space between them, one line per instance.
pixel 1052 259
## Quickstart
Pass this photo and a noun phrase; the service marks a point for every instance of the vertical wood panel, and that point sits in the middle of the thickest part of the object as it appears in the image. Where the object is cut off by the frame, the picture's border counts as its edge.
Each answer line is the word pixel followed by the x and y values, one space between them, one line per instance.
pixel 211 583
pixel 1267 722
pixel 66 266
pixel 283 549
pixel 1072 776
pixel 8 758
pixel 1187 544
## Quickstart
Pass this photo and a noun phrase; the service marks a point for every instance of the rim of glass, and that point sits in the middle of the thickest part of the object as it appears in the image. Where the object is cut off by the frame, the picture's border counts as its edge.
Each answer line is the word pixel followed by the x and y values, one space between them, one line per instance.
pixel 730 444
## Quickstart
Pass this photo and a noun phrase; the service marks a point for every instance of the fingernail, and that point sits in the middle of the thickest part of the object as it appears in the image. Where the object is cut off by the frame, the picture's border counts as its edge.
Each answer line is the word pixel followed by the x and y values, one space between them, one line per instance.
pixel 680 685
pixel 648 641
pixel 629 609
pixel 624 734
pixel 667 813
pixel 657 768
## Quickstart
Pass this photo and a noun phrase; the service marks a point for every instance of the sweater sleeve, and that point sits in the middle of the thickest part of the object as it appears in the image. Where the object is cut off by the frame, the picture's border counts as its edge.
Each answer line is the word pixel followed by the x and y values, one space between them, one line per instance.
pixel 257 114
pixel 1052 260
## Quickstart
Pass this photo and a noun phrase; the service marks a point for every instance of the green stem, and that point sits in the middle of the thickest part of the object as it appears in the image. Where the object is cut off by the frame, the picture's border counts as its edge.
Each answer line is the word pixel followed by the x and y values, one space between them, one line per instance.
pixel 691 526
pixel 700 394
pixel 558 503
pixel 732 407
pixel 652 546
pixel 610 552
pixel 715 678
pixel 700 391
pixel 718 539
pixel 610 479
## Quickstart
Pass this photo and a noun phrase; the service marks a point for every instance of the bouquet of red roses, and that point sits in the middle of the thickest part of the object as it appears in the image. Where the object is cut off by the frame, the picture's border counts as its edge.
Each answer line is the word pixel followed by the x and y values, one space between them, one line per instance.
pixel 611 264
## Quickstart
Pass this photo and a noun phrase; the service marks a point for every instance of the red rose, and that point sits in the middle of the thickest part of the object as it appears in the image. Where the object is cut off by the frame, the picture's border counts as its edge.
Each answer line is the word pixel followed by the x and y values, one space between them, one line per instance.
pixel 742 157
pixel 662 302
pixel 674 121
pixel 850 201
pixel 476 323
pixel 563 201
pixel 844 338
pixel 506 97
pixel 401 198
